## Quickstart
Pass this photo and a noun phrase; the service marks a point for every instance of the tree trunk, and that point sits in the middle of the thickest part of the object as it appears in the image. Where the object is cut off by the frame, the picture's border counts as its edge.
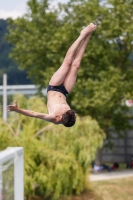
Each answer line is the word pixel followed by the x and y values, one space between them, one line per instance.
pixel 98 160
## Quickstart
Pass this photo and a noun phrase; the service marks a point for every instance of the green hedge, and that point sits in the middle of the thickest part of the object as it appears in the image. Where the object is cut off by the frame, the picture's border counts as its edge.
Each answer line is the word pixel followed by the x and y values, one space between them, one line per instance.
pixel 57 159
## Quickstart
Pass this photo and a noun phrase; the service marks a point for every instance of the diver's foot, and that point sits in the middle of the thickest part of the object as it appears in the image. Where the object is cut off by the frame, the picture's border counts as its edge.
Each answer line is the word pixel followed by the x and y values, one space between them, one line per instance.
pixel 88 30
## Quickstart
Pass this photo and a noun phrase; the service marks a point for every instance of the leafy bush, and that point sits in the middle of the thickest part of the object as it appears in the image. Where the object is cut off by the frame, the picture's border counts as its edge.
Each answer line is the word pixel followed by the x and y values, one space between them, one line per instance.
pixel 57 159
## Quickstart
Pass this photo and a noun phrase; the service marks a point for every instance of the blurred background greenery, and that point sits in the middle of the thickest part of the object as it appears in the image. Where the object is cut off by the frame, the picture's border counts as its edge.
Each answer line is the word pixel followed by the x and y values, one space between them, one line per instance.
pixel 57 159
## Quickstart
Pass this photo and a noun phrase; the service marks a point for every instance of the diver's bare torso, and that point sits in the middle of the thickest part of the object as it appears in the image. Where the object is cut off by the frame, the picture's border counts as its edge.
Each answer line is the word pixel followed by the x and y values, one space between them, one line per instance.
pixel 57 105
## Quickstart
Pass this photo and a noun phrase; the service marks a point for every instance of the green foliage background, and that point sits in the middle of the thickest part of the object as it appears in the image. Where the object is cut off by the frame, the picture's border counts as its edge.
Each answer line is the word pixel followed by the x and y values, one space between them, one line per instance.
pixel 105 77
pixel 40 40
pixel 57 159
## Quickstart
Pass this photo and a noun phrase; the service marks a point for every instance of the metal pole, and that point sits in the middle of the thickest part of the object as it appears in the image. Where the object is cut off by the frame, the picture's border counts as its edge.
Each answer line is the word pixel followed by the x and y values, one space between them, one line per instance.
pixel 4 97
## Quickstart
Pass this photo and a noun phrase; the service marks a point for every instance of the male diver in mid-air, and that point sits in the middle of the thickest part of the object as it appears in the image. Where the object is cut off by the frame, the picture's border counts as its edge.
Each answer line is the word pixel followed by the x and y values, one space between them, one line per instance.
pixel 61 84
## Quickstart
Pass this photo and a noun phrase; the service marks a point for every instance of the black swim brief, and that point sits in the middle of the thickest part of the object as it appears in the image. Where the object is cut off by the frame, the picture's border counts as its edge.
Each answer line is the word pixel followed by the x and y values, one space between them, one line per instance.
pixel 60 88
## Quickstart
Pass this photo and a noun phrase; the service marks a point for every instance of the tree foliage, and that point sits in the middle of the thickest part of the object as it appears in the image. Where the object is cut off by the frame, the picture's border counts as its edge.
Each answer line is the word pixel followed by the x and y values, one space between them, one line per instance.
pixel 41 39
pixel 105 76
pixel 35 38
pixel 57 159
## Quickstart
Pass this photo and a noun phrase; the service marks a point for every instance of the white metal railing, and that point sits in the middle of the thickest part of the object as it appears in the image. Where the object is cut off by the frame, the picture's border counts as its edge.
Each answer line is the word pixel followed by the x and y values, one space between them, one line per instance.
pixel 13 155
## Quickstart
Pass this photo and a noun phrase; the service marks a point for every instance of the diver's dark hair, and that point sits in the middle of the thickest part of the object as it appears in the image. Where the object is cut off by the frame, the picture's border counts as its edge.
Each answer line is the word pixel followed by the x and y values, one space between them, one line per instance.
pixel 69 118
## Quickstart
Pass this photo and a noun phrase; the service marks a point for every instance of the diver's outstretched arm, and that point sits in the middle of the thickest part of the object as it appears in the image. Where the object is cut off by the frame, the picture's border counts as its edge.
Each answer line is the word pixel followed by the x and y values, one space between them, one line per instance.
pixel 29 113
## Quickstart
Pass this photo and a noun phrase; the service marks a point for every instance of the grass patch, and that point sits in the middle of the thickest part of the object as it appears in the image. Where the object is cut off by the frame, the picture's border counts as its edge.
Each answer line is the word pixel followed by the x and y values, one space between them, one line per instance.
pixel 115 189
pixel 86 195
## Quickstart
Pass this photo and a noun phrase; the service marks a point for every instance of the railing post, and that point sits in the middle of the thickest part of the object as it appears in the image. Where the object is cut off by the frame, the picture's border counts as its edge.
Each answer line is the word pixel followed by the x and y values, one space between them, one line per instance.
pixel 4 97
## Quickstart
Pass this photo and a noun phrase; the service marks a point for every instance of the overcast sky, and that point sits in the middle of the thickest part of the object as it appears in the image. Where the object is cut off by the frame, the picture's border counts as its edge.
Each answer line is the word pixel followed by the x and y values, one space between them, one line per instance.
pixel 16 8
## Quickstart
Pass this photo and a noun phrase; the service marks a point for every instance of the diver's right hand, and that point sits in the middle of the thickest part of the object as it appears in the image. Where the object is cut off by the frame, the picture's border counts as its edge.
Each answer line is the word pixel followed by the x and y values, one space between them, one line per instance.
pixel 13 107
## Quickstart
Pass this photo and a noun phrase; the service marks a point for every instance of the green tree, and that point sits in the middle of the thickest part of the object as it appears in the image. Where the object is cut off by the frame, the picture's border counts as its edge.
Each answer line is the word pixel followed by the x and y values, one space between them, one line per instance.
pixel 57 160
pixel 105 77
pixel 107 67
pixel 35 38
